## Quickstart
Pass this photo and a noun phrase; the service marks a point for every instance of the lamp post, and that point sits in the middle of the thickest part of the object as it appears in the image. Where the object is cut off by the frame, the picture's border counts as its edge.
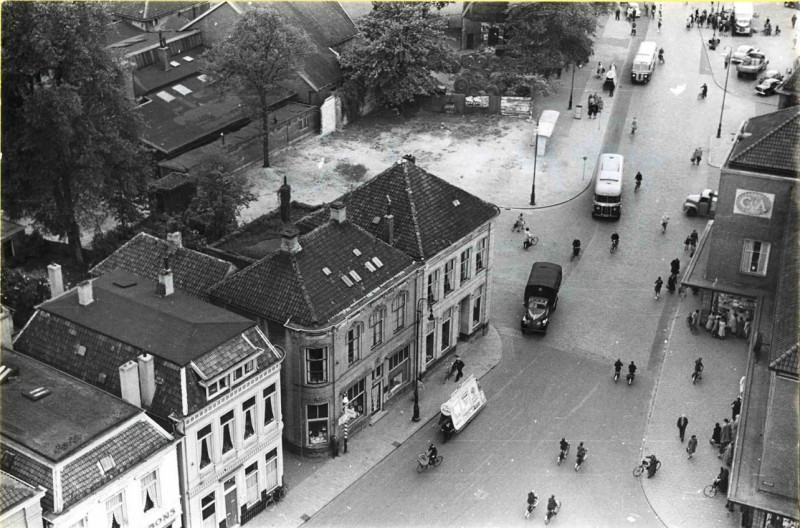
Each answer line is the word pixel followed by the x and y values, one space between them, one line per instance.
pixel 725 92
pixel 584 169
pixel 535 155
pixel 571 87
pixel 415 416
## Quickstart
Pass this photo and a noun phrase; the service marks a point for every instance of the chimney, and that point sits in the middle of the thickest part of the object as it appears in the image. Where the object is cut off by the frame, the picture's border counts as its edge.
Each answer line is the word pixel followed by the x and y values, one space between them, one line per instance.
pixel 165 286
pixel 290 239
pixel 388 224
pixel 55 279
pixel 285 193
pixel 85 294
pixel 129 383
pixel 163 52
pixel 6 328
pixel 175 240
pixel 338 212
pixel 147 379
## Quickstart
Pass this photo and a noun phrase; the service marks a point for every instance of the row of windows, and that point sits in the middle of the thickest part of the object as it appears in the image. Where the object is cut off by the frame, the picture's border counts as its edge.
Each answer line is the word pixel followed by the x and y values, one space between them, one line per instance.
pixel 238 374
pixel 464 271
pixel 226 437
pixel 116 509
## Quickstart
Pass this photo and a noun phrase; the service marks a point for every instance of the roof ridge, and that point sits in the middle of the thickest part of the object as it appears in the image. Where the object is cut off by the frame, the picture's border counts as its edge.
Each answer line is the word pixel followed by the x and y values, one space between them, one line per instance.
pixel 413 206
pixel 792 350
pixel 769 134
pixel 301 283
pixel 91 271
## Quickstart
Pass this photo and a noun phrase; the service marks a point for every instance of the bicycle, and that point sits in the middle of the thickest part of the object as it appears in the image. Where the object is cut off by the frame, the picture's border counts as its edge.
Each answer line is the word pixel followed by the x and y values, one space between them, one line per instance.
pixel 697 375
pixel 711 490
pixel 614 245
pixel 562 455
pixel 276 496
pixel 641 468
pixel 552 513
pixel 529 242
pixel 423 463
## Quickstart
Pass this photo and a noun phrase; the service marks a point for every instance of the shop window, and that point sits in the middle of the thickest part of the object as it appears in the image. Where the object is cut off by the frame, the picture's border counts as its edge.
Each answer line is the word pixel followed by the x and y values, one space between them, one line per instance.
pixel 355 394
pixel 376 326
pixel 226 422
pixel 755 257
pixel 399 311
pixel 251 483
pixel 249 416
pixel 115 511
pixel 466 257
pixel 269 403
pixel 354 343
pixel 480 255
pixel 398 358
pixel 205 445
pixel 316 365
pixel 317 422
pixel 150 492
pixel 449 276
pixel 208 507
pixel 272 470
pixel 433 287
pixel 446 328
pixel 398 368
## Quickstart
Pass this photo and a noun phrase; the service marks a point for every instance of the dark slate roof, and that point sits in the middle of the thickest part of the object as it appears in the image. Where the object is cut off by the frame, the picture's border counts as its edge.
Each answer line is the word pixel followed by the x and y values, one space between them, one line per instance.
pixel 129 447
pixel 70 417
pixel 791 86
pixel 773 146
pixel 13 491
pixel 227 355
pixel 783 350
pixel 143 255
pixel 426 219
pixel 32 471
pixel 145 11
pixel 293 286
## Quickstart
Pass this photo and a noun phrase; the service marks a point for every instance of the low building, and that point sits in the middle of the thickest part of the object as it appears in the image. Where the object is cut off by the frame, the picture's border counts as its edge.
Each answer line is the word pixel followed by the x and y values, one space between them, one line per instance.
pixel 152 16
pixel 20 503
pixel 100 460
pixel 210 375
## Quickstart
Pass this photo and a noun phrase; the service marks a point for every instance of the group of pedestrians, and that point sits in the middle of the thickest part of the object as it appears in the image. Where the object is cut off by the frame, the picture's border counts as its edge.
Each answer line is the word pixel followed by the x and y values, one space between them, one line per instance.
pixel 672 280
pixel 723 322
pixel 697 155
pixel 595 101
pixel 691 242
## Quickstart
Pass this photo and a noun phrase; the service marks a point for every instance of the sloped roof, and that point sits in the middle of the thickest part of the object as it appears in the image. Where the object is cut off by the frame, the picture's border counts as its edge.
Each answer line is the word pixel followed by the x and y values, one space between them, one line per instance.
pixel 429 213
pixel 785 333
pixel 14 491
pixel 773 146
pixel 146 11
pixel 143 255
pixel 294 286
pixel 791 86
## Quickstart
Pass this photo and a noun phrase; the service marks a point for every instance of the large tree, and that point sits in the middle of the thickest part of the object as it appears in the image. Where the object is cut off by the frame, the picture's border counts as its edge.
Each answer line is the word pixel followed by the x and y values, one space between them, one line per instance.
pixel 70 132
pixel 397 47
pixel 262 51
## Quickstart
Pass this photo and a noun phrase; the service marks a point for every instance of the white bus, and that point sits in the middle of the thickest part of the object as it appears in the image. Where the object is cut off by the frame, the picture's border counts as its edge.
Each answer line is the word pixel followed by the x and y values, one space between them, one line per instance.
pixel 607 201
pixel 744 18
pixel 644 64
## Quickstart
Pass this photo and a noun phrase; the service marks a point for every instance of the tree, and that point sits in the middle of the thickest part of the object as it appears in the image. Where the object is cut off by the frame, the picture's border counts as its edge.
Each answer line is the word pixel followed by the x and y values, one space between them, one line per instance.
pixel 397 46
pixel 70 132
pixel 262 51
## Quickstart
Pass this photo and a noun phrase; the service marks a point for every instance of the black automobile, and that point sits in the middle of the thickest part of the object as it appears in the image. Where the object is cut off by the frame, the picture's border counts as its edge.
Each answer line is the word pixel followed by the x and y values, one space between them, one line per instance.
pixel 541 296
pixel 767 86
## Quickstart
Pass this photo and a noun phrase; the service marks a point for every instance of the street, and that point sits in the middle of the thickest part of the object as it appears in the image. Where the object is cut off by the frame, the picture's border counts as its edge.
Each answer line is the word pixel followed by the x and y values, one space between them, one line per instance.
pixel 560 385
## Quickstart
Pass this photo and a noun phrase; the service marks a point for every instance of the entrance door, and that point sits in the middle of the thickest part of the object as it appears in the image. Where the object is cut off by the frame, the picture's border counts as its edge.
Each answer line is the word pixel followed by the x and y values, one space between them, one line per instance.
pixel 463 317
pixel 231 504
pixel 377 397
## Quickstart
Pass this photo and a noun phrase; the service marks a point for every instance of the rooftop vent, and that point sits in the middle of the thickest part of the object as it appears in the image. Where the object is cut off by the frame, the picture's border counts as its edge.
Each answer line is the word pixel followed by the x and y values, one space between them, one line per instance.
pixel 36 394
pixel 106 464
pixel 376 220
pixel 7 372
pixel 326 271
pixel 174 64
pixel 165 97
pixel 356 252
pixel 456 203
pixel 101 378
pixel 80 350
pixel 188 58
pixel 347 281
pixel 181 89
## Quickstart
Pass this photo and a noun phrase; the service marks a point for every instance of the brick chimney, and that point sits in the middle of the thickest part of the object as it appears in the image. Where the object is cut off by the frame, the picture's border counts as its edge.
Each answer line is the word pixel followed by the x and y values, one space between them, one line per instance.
pixel 129 383
pixel 290 239
pixel 85 293
pixel 338 212
pixel 175 240
pixel 163 52
pixel 165 286
pixel 147 379
pixel 388 224
pixel 55 279
pixel 6 328
pixel 285 193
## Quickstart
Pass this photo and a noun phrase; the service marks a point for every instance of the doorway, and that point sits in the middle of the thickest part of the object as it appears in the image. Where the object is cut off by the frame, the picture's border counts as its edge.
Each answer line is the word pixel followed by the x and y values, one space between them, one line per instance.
pixel 231 503
pixel 464 326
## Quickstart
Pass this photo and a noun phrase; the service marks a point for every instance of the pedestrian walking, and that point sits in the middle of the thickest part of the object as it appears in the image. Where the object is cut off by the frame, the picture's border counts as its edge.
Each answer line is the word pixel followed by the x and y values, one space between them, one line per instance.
pixel 611 87
pixel 697 156
pixel 653 11
pixel 736 407
pixel 683 421
pixel 715 435
pixel 695 320
pixel 694 237
pixel 458 365
pixel 740 327
pixel 334 446
pixel 710 321
pixel 794 19
pixel 661 57
pixel 724 437
pixel 659 283
pixel 692 446
pixel 723 327
pixel 687 243
pixel 616 13
pixel 633 28
pixel 727 456
pixel 691 19
pixel 733 324
pixel 646 10
pixel 672 283
pixel 675 266
pixel 664 222
pixel 715 328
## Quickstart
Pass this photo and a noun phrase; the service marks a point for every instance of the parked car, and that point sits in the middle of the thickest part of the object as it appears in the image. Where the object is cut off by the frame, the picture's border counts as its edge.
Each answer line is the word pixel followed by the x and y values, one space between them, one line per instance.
pixel 772 74
pixel 703 204
pixel 742 52
pixel 752 65
pixel 633 10
pixel 767 86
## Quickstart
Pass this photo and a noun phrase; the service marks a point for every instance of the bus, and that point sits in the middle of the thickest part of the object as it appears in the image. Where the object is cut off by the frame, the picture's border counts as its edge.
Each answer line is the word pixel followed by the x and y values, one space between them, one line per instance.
pixel 644 64
pixel 607 202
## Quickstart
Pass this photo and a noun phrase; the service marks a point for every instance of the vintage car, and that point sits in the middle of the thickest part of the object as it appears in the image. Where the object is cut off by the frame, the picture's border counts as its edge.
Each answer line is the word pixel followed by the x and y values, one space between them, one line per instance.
pixel 767 86
pixel 541 296
pixel 752 65
pixel 703 204
pixel 633 10
pixel 742 52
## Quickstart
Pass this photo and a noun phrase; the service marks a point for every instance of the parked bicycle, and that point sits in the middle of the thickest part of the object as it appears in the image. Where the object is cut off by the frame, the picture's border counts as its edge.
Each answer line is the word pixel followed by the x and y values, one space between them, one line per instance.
pixel 276 496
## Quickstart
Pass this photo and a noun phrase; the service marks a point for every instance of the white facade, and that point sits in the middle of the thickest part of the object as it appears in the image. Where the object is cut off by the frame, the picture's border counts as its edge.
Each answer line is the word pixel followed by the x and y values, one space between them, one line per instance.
pixel 231 454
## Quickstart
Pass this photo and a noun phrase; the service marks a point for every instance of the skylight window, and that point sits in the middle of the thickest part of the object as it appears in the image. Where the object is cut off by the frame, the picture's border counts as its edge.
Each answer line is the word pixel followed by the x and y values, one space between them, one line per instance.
pixel 36 394
pixel 356 276
pixel 174 64
pixel 165 96
pixel 370 266
pixel 202 77
pixel 356 252
pixel 106 464
pixel 377 262
pixel 326 271
pixel 188 58
pixel 347 281
pixel 376 220
pixel 456 203
pixel 181 89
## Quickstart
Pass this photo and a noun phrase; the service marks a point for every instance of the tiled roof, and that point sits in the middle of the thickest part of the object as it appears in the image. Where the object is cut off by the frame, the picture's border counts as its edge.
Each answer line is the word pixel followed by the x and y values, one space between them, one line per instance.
pixel 773 144
pixel 791 86
pixel 29 470
pixel 787 306
pixel 429 213
pixel 145 11
pixel 227 355
pixel 13 491
pixel 128 448
pixel 143 255
pixel 294 286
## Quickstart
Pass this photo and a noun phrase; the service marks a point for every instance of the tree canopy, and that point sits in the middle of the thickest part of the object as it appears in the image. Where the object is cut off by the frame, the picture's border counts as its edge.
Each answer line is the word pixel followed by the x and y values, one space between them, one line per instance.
pixel 397 47
pixel 70 132
pixel 262 51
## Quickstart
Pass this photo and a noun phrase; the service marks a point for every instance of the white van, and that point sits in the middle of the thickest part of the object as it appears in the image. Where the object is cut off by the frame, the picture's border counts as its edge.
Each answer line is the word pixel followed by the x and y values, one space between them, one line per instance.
pixel 607 201
pixel 744 18
pixel 644 64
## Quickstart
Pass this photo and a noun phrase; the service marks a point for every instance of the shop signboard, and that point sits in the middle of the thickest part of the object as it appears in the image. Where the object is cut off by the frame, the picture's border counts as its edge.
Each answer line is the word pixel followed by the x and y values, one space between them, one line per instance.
pixel 464 403
pixel 753 203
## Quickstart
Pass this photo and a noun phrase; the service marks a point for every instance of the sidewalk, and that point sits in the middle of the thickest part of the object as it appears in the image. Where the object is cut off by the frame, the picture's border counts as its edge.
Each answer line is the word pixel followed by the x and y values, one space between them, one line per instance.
pixel 314 483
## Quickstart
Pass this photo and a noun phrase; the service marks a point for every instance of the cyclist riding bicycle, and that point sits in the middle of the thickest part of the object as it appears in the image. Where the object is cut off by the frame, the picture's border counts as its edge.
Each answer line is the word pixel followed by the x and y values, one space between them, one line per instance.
pixel 698 368
pixel 634 126
pixel 581 456
pixel 533 499
pixel 618 366
pixel 564 446
pixel 432 454
pixel 552 506
pixel 576 247
pixel 528 238
pixel 652 465
pixel 614 240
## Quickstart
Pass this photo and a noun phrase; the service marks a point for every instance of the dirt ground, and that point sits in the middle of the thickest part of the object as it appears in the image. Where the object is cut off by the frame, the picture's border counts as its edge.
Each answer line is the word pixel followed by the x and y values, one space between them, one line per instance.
pixel 477 153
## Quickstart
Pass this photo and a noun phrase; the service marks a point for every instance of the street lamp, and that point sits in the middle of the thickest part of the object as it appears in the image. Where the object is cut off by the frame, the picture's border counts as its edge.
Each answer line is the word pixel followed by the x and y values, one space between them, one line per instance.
pixel 584 169
pixel 415 417
pixel 535 155
pixel 571 87
pixel 725 92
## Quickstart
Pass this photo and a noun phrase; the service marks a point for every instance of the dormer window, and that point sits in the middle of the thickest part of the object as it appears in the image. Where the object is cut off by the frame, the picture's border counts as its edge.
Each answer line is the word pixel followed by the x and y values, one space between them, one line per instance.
pixel 231 378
